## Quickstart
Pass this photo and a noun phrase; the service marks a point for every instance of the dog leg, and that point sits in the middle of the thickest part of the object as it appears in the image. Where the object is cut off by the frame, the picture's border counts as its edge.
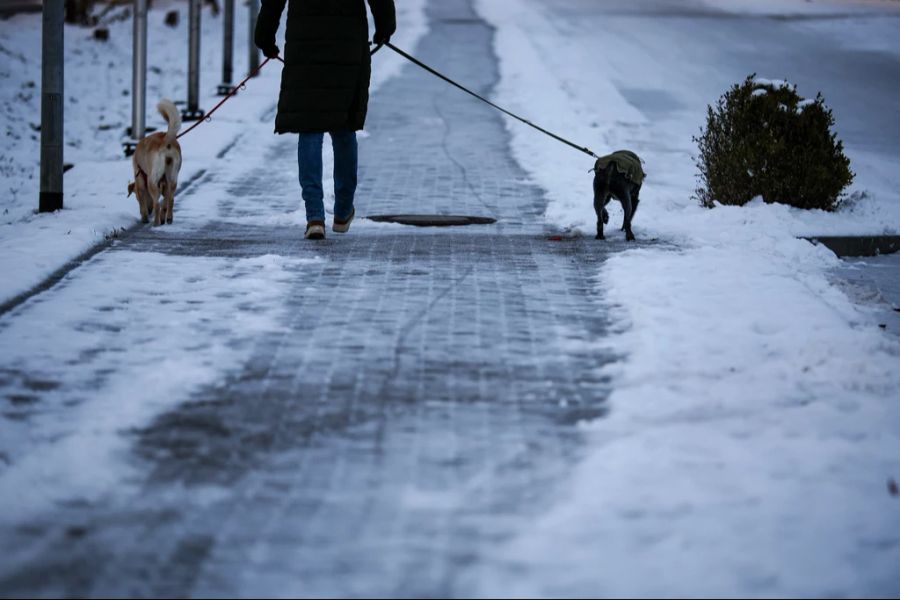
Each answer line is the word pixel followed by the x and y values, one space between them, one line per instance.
pixel 154 193
pixel 626 224
pixel 170 203
pixel 145 218
pixel 598 208
pixel 635 200
pixel 601 197
pixel 143 198
pixel 599 235
pixel 163 201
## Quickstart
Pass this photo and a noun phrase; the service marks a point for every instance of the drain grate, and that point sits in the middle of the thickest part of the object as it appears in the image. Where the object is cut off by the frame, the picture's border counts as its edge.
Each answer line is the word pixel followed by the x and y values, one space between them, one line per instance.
pixel 433 220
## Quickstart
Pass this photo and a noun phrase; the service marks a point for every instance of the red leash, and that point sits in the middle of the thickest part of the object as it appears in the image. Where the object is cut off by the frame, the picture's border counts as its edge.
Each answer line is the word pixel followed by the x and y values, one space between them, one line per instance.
pixel 241 86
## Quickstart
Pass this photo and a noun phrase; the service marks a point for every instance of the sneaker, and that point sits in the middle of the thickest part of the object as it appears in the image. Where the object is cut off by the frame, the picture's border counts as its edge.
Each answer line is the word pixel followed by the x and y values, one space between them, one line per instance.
pixel 342 226
pixel 315 230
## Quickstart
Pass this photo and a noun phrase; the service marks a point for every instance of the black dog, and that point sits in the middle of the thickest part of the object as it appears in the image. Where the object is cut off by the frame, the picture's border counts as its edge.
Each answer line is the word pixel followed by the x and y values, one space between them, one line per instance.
pixel 618 174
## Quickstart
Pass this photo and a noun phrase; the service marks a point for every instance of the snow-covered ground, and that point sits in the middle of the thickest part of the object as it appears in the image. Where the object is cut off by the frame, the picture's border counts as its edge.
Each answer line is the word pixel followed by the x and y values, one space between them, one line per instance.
pixel 184 353
pixel 188 349
pixel 97 112
pixel 755 419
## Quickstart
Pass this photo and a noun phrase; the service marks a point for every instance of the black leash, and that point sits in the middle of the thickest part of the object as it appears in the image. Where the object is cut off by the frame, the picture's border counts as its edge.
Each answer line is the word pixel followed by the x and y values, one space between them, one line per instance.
pixel 418 62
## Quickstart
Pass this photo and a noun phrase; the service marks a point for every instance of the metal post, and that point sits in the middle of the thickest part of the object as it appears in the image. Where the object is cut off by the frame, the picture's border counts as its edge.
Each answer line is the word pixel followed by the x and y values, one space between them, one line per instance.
pixel 227 48
pixel 51 174
pixel 254 52
pixel 193 112
pixel 138 76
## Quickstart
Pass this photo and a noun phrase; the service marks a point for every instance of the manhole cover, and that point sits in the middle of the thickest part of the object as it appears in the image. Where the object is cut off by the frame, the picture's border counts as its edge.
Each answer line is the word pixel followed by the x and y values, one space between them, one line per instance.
pixel 433 220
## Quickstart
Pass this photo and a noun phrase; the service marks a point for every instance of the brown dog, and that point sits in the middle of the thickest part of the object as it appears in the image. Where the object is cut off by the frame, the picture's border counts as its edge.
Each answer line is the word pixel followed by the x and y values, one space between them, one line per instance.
pixel 157 161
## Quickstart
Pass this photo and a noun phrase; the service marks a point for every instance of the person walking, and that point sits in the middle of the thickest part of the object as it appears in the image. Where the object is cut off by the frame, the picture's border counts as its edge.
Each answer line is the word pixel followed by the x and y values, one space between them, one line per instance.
pixel 324 89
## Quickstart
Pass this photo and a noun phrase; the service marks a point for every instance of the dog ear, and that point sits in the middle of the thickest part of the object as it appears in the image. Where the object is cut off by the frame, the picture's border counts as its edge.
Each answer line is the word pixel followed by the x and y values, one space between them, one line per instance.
pixel 130 188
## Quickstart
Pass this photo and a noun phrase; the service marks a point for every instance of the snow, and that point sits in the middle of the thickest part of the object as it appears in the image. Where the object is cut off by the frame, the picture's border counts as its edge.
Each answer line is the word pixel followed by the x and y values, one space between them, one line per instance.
pixel 754 419
pixel 197 337
pixel 769 84
pixel 773 83
pixel 136 376
pixel 802 8
pixel 97 111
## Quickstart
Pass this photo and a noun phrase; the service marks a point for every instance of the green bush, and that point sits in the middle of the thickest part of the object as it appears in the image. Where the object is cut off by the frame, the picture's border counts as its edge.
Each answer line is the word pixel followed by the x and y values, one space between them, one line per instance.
pixel 763 139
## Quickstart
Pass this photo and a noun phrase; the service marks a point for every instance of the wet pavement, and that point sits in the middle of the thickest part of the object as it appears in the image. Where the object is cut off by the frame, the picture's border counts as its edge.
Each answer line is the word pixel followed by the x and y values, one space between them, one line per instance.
pixel 415 407
pixel 874 281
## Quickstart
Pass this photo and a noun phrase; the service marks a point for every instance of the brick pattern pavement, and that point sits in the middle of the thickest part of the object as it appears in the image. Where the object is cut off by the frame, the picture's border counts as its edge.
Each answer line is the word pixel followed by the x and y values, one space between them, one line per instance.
pixel 415 410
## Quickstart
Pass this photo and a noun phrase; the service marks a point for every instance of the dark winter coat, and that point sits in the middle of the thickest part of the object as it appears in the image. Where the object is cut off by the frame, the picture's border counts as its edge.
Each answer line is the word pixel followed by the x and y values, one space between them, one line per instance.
pixel 627 163
pixel 325 80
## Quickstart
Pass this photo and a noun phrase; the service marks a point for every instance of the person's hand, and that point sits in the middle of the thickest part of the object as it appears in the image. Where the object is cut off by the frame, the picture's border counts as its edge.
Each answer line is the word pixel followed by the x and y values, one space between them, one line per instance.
pixel 269 50
pixel 382 37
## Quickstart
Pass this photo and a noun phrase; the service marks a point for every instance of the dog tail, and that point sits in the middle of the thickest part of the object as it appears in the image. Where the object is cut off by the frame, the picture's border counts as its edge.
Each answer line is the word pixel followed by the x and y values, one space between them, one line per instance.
pixel 130 188
pixel 170 113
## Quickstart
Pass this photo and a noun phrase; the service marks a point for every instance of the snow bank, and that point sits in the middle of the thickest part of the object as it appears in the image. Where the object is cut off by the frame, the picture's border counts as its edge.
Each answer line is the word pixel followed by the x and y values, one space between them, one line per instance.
pixel 97 112
pixel 754 419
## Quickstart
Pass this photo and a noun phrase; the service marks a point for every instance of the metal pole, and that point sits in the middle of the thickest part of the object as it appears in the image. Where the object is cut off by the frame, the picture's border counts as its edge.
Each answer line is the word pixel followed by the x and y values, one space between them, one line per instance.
pixel 193 112
pixel 254 52
pixel 227 48
pixel 51 174
pixel 138 76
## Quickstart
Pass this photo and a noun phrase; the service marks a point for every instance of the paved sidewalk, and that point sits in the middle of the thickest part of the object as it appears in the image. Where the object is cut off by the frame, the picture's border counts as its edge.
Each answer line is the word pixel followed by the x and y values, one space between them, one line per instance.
pixel 416 408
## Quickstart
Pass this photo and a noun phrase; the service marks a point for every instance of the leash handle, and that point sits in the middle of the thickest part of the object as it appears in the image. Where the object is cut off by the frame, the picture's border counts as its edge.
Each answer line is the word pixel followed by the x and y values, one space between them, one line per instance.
pixel 434 72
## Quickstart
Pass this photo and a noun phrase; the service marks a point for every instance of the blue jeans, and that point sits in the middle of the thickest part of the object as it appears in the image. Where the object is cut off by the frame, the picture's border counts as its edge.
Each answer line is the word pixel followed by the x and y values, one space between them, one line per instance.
pixel 309 159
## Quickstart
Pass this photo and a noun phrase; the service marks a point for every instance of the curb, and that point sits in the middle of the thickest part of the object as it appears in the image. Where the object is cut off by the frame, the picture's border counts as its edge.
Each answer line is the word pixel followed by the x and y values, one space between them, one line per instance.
pixel 849 245
pixel 56 276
